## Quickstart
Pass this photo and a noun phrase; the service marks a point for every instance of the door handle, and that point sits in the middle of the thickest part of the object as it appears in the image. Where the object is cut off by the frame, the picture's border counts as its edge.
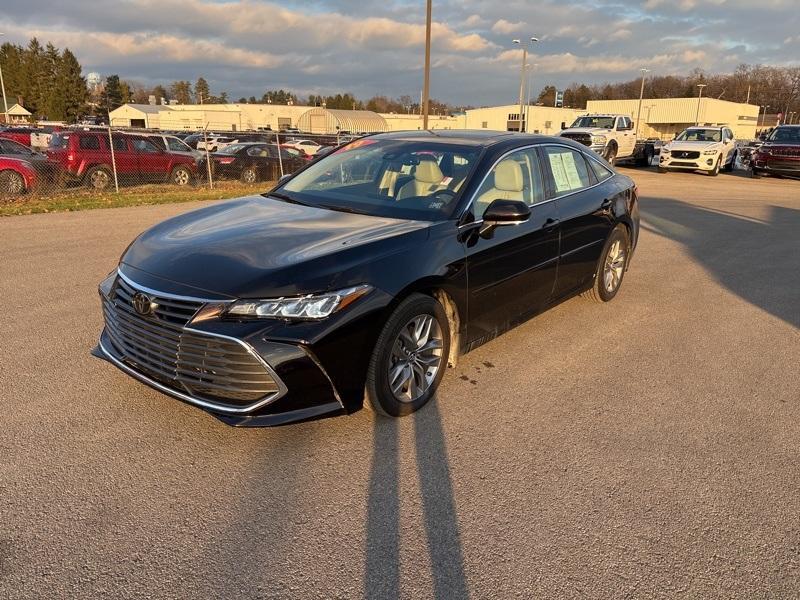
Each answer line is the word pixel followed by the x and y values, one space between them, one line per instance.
pixel 551 224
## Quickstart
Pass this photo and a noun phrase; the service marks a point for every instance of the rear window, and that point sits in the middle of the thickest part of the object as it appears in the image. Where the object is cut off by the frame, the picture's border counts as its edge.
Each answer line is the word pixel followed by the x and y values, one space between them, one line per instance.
pixel 89 142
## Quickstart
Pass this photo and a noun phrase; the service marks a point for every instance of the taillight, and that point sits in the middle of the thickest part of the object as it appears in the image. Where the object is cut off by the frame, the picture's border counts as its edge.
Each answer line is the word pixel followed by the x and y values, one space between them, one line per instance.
pixel 225 161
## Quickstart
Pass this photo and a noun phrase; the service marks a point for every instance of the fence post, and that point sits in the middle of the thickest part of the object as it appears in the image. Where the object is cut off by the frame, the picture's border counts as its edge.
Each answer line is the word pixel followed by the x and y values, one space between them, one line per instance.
pixel 208 158
pixel 113 156
pixel 280 158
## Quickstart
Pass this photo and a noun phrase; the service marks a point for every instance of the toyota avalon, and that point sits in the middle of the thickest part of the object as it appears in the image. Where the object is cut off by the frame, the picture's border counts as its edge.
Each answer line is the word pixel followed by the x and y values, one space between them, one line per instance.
pixel 362 277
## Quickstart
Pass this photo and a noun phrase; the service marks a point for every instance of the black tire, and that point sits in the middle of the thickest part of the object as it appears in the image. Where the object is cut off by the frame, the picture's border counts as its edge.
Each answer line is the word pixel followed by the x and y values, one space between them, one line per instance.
pixel 99 178
pixel 379 396
pixel 11 183
pixel 610 153
pixel 181 176
pixel 732 165
pixel 249 175
pixel 663 170
pixel 715 171
pixel 755 173
pixel 599 292
pixel 645 160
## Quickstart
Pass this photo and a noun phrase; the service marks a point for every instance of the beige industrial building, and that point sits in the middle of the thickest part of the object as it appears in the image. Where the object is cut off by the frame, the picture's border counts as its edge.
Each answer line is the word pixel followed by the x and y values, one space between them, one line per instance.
pixel 661 118
pixel 664 117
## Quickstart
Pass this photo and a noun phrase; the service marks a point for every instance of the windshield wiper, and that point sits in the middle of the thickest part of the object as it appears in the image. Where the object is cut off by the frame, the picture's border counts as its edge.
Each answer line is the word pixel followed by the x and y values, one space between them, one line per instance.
pixel 285 198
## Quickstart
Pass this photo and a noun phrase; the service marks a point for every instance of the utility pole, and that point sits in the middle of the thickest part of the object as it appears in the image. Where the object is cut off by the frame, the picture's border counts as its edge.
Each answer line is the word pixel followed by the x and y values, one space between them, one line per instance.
pixel 522 75
pixel 748 94
pixel 426 89
pixel 641 95
pixel 699 97
pixel 5 100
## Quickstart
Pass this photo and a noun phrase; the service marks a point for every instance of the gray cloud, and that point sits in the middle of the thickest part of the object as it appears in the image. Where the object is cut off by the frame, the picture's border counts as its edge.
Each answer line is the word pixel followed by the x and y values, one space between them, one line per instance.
pixel 320 46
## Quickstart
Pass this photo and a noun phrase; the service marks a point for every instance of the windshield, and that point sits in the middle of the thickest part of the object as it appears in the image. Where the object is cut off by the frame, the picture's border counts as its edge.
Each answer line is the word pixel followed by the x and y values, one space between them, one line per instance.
pixel 787 135
pixel 700 135
pixel 388 178
pixel 594 122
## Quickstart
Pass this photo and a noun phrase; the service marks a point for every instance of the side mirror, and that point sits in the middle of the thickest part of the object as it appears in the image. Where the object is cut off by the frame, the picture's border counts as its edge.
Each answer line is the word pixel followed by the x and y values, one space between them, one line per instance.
pixel 504 212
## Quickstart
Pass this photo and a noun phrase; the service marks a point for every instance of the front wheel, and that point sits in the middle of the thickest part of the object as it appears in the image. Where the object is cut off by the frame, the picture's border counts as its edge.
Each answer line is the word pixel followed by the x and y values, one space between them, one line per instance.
pixel 249 175
pixel 410 357
pixel 610 154
pixel 715 171
pixel 611 267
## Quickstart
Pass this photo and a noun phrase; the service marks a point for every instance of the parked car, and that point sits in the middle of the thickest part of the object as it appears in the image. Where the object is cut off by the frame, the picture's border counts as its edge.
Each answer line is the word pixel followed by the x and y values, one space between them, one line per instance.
pixel 707 149
pixel 310 147
pixel 171 143
pixel 21 135
pixel 85 156
pixel 216 142
pixel 613 137
pixel 252 162
pixel 17 176
pixel 48 171
pixel 366 273
pixel 779 154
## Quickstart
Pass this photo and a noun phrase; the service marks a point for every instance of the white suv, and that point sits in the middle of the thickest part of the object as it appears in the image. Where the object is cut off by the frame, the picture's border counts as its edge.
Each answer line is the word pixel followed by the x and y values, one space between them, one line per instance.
pixel 707 149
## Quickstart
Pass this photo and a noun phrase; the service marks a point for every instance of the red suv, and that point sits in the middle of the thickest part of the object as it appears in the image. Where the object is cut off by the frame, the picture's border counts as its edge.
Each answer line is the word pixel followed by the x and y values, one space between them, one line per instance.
pixel 780 153
pixel 85 156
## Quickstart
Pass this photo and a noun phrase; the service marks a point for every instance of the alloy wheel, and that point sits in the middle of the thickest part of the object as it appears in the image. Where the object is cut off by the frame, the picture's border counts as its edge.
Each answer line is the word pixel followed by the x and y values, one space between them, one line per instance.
pixel 416 358
pixel 12 183
pixel 249 176
pixel 614 266
pixel 181 177
pixel 99 179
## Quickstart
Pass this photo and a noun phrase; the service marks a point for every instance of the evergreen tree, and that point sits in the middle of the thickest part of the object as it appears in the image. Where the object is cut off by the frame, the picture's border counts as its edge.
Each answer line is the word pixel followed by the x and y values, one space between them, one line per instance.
pixel 202 91
pixel 111 97
pixel 72 86
pixel 160 92
pixel 181 91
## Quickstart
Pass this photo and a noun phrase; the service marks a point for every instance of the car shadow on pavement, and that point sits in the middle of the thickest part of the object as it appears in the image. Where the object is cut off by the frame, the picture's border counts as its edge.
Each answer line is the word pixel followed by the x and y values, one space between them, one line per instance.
pixel 382 569
pixel 757 259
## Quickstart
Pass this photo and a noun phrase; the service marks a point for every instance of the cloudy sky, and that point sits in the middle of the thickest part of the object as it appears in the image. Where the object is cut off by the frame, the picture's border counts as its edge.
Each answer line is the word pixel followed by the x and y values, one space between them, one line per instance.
pixel 320 46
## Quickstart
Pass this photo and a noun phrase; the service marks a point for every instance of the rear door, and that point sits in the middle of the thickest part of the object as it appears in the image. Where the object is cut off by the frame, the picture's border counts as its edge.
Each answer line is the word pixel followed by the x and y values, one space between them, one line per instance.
pixel 512 273
pixel 153 162
pixel 583 196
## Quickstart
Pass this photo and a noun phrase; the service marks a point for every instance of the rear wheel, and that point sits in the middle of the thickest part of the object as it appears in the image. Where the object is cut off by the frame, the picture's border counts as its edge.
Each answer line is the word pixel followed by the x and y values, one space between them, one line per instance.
pixel 181 176
pixel 11 183
pixel 249 175
pixel 611 267
pixel 732 165
pixel 410 357
pixel 98 178
pixel 755 173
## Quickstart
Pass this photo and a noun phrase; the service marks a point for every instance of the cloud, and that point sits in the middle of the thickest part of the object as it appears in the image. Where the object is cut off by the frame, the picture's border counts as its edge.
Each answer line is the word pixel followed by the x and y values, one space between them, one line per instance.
pixel 506 27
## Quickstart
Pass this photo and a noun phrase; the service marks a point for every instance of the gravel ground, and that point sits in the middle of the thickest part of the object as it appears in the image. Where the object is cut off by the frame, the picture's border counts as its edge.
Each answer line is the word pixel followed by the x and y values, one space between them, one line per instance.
pixel 646 448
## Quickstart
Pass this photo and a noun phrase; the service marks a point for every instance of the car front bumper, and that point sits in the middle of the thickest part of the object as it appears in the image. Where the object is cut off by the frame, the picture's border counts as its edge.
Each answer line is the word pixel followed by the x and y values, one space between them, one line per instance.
pixel 701 163
pixel 778 165
pixel 246 373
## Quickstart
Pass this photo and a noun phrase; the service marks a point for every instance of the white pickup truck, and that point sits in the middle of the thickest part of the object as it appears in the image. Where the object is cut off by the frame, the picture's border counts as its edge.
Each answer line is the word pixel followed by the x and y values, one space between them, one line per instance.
pixel 611 136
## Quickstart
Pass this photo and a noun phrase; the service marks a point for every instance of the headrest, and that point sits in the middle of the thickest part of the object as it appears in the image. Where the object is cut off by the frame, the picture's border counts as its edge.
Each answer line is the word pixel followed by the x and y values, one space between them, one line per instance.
pixel 508 176
pixel 428 172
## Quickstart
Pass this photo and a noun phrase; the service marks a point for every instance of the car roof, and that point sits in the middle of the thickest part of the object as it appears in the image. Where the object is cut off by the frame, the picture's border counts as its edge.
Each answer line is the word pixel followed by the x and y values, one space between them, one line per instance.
pixel 474 137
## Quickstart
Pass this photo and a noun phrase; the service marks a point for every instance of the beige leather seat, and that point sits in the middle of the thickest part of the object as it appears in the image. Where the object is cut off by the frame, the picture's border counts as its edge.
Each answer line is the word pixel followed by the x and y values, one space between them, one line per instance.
pixel 508 185
pixel 427 180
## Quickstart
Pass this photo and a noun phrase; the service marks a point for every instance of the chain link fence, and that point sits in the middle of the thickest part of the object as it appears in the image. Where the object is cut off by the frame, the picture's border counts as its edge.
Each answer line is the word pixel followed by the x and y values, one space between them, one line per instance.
pixel 52 161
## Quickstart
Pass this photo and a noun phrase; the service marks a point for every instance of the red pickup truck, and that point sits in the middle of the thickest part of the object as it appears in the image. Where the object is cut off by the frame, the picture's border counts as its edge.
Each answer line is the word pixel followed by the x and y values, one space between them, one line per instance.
pixel 85 156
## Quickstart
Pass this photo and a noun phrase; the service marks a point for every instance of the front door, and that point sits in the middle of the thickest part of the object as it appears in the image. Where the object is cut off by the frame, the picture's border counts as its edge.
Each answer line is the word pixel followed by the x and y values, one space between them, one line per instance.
pixel 153 162
pixel 512 273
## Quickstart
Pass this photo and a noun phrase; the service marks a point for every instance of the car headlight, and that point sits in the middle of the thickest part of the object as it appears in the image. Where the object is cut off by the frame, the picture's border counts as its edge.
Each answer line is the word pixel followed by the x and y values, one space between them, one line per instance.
pixel 598 139
pixel 710 152
pixel 314 306
pixel 665 150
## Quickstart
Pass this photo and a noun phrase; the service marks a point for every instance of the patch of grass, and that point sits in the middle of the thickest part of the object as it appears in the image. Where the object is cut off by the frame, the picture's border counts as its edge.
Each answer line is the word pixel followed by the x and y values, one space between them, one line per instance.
pixel 84 199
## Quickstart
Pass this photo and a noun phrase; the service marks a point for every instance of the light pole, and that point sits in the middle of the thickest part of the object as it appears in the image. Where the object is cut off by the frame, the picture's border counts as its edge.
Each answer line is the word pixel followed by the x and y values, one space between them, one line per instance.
pixel 760 120
pixel 528 95
pixel 699 97
pixel 525 48
pixel 641 95
pixel 426 87
pixel 3 89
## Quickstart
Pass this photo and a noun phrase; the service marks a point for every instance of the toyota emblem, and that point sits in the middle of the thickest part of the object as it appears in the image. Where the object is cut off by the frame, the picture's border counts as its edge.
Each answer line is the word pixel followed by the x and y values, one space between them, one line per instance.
pixel 143 304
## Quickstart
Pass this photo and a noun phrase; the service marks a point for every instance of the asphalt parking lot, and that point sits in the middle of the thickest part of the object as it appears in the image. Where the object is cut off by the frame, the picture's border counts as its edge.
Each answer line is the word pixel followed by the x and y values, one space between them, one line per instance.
pixel 645 448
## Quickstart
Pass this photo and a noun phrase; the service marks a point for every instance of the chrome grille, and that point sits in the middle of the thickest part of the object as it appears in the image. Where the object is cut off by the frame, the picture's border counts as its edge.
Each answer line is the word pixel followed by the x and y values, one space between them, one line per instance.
pixel 158 345
pixel 581 138
pixel 793 152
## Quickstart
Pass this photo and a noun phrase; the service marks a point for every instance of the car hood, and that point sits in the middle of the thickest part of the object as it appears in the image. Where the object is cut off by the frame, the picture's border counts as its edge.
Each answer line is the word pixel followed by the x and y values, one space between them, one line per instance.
pixel 692 146
pixel 260 247
pixel 589 130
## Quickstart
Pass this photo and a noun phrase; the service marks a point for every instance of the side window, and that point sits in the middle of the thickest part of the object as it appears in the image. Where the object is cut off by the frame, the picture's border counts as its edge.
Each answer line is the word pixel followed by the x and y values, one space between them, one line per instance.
pixel 515 177
pixel 568 170
pixel 89 142
pixel 144 146
pixel 258 151
pixel 176 145
pixel 120 144
pixel 601 172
